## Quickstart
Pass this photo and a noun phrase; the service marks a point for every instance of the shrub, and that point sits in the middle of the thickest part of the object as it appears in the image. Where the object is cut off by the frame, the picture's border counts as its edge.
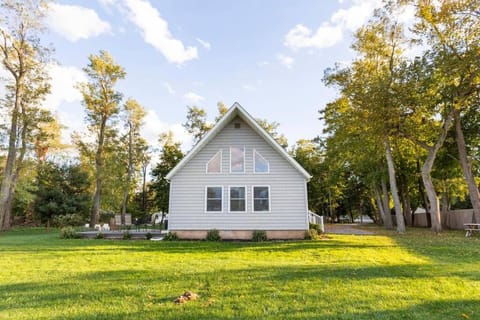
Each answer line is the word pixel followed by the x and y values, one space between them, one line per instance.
pixel 149 235
pixel 127 235
pixel 171 236
pixel 100 235
pixel 67 220
pixel 213 235
pixel 68 233
pixel 315 226
pixel 259 236
pixel 311 234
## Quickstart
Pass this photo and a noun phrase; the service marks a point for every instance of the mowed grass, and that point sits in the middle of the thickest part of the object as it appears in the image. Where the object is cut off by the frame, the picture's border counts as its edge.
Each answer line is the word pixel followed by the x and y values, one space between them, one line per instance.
pixel 387 276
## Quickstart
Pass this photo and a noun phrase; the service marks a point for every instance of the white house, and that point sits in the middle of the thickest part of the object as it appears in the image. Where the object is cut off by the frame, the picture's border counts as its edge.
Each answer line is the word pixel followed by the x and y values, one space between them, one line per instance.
pixel 238 179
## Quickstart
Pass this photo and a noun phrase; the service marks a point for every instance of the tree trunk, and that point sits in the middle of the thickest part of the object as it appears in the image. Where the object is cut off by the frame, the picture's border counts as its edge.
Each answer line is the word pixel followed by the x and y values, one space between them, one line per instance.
pixel 379 205
pixel 423 196
pixel 393 187
pixel 144 188
pixel 7 181
pixel 467 168
pixel 129 174
pixel 386 207
pixel 7 219
pixel 444 209
pixel 427 178
pixel 95 213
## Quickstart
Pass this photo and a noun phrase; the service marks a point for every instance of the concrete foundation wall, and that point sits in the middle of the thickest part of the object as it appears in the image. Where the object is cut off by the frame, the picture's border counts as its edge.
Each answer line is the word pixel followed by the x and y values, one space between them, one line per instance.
pixel 241 234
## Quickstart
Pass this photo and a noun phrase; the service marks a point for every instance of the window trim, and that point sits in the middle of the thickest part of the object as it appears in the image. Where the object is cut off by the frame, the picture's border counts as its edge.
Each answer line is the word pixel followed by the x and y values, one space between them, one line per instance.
pixel 254 163
pixel 244 162
pixel 206 198
pixel 229 198
pixel 269 198
pixel 221 160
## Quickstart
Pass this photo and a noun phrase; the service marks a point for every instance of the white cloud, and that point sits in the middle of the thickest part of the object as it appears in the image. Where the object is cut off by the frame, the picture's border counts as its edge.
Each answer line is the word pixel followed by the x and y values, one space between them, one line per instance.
pixel 154 127
pixel 193 98
pixel 63 82
pixel 169 88
pixel 75 22
pixel 302 37
pixel 331 32
pixel 204 43
pixel 285 60
pixel 156 33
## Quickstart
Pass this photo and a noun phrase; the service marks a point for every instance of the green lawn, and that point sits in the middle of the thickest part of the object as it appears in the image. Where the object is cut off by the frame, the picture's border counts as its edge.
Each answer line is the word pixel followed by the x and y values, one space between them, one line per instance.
pixel 387 276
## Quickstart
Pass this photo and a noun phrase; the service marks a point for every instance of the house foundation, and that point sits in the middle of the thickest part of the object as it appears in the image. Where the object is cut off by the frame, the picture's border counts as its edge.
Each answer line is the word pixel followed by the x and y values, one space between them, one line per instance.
pixel 241 234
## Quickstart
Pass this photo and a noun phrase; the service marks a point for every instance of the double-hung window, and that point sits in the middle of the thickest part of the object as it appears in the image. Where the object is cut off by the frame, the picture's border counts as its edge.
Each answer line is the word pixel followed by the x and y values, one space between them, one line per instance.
pixel 237 199
pixel 214 199
pixel 261 198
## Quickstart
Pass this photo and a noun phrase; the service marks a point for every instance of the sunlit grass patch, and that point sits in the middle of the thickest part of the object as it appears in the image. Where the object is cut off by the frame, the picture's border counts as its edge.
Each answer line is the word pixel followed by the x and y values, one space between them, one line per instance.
pixel 414 276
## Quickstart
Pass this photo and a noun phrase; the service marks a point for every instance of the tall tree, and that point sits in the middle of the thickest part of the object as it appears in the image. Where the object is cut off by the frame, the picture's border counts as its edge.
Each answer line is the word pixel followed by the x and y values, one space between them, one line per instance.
pixel 24 58
pixel 170 155
pixel 135 115
pixel 196 123
pixel 101 101
pixel 452 30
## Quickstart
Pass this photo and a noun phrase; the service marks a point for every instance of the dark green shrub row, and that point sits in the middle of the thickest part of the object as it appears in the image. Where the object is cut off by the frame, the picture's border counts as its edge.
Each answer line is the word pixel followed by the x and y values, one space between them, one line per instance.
pixel 67 220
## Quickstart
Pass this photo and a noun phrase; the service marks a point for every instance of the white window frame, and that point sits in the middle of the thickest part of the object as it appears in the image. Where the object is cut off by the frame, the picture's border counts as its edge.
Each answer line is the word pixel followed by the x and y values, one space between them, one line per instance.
pixel 254 163
pixel 244 162
pixel 269 198
pixel 206 199
pixel 221 160
pixel 229 198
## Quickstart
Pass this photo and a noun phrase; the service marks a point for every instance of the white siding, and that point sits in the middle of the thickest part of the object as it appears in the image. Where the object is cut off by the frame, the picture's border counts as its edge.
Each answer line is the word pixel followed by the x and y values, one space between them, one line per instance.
pixel 288 209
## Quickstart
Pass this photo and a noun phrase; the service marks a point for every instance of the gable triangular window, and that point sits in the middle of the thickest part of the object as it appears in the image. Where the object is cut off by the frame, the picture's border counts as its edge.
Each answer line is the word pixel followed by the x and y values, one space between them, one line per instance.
pixel 214 165
pixel 260 163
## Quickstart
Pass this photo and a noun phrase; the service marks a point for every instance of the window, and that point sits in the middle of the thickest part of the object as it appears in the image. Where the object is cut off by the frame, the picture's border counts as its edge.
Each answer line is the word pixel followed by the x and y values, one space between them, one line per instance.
pixel 260 163
pixel 214 199
pixel 214 165
pixel 237 160
pixel 237 199
pixel 261 199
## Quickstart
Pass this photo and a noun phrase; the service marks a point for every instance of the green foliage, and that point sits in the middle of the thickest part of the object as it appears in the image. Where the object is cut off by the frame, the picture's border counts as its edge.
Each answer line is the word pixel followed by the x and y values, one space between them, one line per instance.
pixel 170 154
pixel 311 234
pixel 315 226
pixel 63 189
pixel 68 233
pixel 127 235
pixel 259 236
pixel 272 129
pixel 73 220
pixel 148 235
pixel 171 236
pixel 100 235
pixel 213 235
pixel 196 123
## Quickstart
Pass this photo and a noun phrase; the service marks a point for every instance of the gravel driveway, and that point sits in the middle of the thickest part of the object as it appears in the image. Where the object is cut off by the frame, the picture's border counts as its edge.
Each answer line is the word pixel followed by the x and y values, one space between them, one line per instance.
pixel 346 229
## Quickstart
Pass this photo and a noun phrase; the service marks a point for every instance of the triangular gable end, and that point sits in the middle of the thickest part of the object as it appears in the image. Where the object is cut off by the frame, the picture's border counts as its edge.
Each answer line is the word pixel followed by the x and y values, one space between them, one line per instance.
pixel 237 110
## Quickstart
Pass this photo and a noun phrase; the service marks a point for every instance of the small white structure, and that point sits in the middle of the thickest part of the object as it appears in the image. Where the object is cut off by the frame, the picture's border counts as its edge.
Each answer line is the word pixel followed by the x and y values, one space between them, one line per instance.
pixel 238 179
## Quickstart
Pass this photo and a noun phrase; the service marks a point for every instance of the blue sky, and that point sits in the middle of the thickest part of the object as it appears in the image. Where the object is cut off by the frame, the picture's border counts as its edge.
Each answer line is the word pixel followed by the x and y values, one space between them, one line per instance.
pixel 269 55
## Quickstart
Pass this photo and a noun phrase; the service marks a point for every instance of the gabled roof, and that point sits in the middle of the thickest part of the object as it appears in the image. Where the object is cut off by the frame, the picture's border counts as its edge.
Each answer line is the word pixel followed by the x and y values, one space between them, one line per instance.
pixel 237 110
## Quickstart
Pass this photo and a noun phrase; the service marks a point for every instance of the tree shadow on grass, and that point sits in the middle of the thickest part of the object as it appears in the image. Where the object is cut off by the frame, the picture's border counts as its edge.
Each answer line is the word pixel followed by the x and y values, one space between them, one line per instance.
pixel 286 292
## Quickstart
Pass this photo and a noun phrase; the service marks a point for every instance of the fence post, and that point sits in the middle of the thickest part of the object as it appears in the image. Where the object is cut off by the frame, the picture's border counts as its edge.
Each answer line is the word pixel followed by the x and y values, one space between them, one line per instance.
pixel 320 223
